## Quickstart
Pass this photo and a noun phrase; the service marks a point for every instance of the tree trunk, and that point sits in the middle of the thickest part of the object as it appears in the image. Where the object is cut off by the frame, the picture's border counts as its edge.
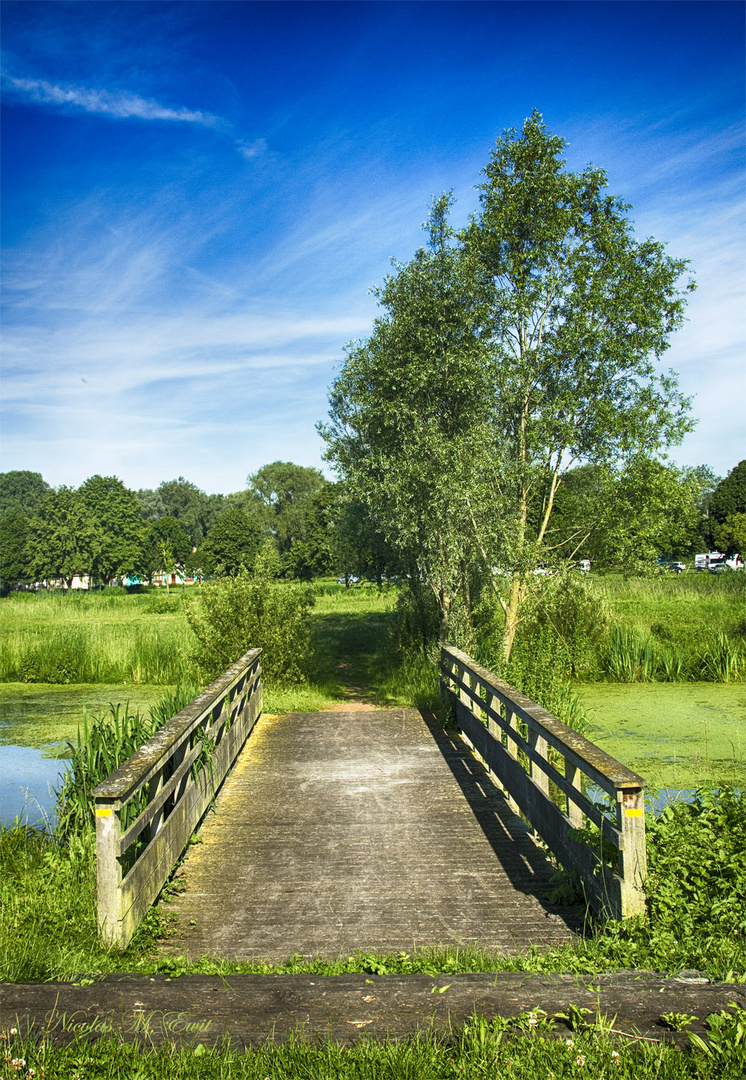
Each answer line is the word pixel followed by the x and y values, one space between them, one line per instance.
pixel 512 612
pixel 444 612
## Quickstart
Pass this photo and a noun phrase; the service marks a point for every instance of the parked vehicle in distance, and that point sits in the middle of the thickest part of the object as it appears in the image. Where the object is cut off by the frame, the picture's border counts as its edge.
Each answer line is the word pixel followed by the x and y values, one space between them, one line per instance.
pixel 584 565
pixel 715 562
pixel 352 580
pixel 666 563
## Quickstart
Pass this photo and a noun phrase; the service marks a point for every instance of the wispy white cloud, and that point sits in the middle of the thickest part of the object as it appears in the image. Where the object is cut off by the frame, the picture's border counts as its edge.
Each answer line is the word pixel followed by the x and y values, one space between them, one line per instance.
pixel 122 105
pixel 119 105
pixel 251 150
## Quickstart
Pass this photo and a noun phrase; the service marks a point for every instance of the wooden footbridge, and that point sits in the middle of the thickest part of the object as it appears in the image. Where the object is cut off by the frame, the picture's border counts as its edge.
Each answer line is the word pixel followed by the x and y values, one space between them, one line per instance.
pixel 375 831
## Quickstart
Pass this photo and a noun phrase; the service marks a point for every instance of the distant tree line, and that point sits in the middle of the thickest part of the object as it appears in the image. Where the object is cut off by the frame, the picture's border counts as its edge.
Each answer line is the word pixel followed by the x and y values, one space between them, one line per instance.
pixel 106 531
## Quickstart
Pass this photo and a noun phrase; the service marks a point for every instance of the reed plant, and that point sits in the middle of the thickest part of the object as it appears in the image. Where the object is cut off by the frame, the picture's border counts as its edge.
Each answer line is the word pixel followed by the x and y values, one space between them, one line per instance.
pixel 632 655
pixel 104 743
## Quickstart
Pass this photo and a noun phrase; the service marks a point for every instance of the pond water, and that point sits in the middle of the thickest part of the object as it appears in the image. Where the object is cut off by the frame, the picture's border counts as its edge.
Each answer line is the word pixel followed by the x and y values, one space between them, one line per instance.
pixel 36 722
pixel 675 735
pixel 27 783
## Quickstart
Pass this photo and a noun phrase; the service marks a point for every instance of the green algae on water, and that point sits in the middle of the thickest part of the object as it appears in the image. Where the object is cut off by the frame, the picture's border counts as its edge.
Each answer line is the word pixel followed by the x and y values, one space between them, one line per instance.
pixel 675 735
pixel 47 715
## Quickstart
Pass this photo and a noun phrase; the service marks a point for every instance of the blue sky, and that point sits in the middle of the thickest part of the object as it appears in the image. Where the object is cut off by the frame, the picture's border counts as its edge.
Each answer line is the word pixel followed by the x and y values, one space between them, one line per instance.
pixel 198 197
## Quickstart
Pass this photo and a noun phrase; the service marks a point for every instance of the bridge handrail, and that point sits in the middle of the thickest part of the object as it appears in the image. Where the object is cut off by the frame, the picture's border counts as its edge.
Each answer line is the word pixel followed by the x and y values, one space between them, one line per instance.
pixel 488 712
pixel 148 808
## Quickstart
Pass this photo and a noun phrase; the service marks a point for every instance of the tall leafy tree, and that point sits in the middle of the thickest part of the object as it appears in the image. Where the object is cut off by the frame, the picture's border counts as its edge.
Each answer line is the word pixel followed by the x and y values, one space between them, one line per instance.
pixel 195 510
pixel 231 544
pixel 63 537
pixel 581 311
pixel 286 491
pixel 165 545
pixel 14 568
pixel 115 512
pixel 626 515
pixel 409 409
pixel 151 504
pixel 21 492
pixel 729 497
pixel 727 512
pixel 504 360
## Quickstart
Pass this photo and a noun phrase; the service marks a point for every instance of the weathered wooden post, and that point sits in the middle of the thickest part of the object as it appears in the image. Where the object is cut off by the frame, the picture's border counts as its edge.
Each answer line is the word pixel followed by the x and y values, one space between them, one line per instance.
pixel 539 775
pixel 633 853
pixel 575 777
pixel 108 868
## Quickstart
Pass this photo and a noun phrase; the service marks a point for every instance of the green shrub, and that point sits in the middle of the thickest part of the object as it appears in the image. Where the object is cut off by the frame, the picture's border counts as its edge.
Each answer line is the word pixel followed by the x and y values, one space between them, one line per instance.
pixel 233 615
pixel 697 866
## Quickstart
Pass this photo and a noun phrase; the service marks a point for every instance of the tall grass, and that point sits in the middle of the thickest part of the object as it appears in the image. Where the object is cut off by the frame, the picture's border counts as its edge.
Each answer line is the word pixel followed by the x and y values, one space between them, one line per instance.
pixel 104 743
pixel 104 637
pixel 633 655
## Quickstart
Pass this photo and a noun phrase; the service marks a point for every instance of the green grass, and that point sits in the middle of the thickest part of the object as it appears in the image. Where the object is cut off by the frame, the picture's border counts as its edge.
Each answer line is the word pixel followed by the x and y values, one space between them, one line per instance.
pixel 99 637
pixel 673 628
pixel 485 1048
pixel 115 638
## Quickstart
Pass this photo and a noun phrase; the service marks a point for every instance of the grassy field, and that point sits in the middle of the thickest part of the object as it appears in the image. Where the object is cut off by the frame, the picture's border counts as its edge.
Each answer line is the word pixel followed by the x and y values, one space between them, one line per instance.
pixel 99 637
pixel 672 628
pixel 60 652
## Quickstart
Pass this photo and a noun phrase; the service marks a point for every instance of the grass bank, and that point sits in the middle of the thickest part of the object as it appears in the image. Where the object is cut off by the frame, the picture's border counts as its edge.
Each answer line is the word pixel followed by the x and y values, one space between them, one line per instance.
pixel 674 628
pixel 487 1047
pixel 98 637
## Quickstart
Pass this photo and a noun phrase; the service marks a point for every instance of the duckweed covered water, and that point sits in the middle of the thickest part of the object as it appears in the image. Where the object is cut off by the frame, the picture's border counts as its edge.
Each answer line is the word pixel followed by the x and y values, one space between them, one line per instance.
pixel 36 721
pixel 675 735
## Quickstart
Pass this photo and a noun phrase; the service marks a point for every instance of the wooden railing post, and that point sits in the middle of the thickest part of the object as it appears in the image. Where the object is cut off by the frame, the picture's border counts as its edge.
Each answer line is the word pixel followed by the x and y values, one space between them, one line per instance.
pixel 575 777
pixel 541 764
pixel 108 869
pixel 538 775
pixel 633 854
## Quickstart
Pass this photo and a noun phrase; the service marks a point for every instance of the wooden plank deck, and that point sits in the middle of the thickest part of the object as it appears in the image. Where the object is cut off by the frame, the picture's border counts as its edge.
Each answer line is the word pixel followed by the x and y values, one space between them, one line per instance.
pixel 371 831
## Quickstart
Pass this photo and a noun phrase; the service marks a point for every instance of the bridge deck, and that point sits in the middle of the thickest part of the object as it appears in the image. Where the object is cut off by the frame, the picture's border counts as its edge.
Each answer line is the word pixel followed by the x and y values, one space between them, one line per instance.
pixel 373 830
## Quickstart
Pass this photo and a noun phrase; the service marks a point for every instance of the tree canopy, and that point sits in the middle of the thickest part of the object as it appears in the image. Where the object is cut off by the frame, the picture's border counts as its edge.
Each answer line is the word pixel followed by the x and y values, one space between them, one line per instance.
pixel 729 497
pixel 231 544
pixel 505 355
pixel 21 491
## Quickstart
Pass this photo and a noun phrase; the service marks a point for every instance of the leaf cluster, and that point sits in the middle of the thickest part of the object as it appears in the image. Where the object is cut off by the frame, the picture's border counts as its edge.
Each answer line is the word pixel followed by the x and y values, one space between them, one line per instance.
pixel 235 614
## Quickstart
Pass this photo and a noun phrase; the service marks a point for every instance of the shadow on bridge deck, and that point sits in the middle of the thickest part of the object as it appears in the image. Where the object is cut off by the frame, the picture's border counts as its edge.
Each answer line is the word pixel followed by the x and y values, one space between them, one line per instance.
pixel 371 831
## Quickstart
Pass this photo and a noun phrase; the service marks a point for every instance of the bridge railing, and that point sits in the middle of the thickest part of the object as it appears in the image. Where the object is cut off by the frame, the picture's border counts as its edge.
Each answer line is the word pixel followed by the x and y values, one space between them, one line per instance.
pixel 148 808
pixel 543 766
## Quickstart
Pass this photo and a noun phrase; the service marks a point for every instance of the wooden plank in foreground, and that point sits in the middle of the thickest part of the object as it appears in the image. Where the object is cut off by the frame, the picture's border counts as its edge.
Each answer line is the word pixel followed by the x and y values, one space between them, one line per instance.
pixel 252 1009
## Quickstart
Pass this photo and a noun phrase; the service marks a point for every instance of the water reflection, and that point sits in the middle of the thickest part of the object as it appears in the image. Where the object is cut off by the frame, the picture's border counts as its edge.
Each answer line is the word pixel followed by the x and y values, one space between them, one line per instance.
pixel 27 782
